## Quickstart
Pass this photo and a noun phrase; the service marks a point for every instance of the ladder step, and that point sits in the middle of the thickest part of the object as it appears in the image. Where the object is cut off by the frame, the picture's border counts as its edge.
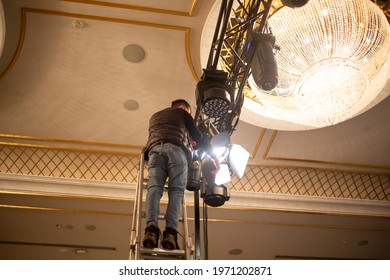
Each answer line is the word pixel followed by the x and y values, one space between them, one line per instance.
pixel 161 254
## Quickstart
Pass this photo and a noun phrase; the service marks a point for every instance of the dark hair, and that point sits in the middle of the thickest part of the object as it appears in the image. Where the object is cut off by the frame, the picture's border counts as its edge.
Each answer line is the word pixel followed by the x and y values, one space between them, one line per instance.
pixel 176 103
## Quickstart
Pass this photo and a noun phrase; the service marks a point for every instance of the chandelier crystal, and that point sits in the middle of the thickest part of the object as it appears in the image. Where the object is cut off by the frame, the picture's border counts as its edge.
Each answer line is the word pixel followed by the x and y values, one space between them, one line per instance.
pixel 332 63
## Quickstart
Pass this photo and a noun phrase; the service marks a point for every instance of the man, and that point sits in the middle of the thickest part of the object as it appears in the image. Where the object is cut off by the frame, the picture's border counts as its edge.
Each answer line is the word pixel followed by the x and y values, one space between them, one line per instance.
pixel 172 132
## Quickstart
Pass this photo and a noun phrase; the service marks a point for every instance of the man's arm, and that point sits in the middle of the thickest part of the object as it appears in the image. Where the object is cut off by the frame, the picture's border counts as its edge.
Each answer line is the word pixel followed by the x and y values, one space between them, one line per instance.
pixel 201 142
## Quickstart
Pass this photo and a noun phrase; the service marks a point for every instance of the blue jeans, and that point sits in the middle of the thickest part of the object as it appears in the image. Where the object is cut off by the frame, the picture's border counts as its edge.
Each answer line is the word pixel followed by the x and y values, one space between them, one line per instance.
pixel 166 161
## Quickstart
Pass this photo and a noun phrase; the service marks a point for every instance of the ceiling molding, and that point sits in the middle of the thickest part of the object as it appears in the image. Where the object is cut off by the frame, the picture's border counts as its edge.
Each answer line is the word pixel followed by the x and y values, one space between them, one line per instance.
pixel 139 8
pixel 272 140
pixel 72 149
pixel 23 28
pixel 50 209
pixel 69 145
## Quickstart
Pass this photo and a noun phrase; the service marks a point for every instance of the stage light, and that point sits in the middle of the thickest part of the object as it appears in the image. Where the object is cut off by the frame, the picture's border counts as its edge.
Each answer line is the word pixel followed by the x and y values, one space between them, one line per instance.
pixel 213 95
pixel 232 158
pixel 235 156
pixel 264 68
pixel 215 195
pixel 294 3
pixel 216 102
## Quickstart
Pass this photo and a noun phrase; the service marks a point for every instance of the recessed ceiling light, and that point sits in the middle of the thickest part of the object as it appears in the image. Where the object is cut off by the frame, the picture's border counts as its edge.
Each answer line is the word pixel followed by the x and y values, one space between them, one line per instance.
pixel 363 242
pixel 133 53
pixel 78 24
pixel 131 105
pixel 80 251
pixel 235 252
pixel 90 227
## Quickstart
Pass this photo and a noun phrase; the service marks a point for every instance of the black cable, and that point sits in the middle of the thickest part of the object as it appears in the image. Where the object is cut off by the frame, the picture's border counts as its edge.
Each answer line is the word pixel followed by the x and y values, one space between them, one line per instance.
pixel 205 232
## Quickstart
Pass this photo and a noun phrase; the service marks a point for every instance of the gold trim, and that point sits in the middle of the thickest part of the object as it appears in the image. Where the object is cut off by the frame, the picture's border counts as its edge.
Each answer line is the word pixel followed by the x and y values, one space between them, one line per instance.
pixel 217 220
pixel 101 18
pixel 261 164
pixel 192 219
pixel 297 225
pixel 188 54
pixel 83 142
pixel 19 207
pixel 58 245
pixel 139 8
pixel 259 209
pixel 228 208
pixel 15 57
pixel 271 141
pixel 61 148
pixel 25 10
pixel 25 193
pixel 335 163
pixel 273 137
pixel 259 140
pixel 192 8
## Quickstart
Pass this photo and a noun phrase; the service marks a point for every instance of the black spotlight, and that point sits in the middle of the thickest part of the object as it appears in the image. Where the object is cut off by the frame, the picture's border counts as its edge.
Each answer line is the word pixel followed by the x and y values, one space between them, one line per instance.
pixel 213 94
pixel 214 196
pixel 294 3
pixel 263 66
pixel 216 102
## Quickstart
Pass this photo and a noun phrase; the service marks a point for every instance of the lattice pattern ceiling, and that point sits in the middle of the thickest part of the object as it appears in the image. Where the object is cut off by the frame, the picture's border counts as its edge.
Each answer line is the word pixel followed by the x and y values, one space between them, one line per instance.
pixel 113 167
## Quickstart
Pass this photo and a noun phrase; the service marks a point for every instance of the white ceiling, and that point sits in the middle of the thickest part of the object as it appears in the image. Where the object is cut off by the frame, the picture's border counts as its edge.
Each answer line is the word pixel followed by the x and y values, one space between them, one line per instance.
pixel 58 82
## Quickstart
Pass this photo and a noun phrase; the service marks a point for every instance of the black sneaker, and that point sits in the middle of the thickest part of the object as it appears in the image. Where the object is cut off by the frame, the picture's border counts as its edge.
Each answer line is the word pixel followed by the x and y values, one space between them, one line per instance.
pixel 151 237
pixel 170 239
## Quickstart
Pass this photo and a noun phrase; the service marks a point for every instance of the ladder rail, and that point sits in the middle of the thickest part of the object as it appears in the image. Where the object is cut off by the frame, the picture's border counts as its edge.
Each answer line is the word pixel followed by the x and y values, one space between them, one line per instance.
pixel 186 237
pixel 135 239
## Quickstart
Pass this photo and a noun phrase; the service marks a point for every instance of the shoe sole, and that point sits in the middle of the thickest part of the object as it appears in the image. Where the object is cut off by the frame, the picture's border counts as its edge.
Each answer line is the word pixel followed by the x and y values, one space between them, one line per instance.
pixel 168 245
pixel 149 244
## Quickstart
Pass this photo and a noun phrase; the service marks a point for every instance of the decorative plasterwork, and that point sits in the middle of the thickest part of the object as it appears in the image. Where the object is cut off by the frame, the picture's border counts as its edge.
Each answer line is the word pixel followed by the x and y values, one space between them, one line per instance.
pixel 122 167
pixel 26 11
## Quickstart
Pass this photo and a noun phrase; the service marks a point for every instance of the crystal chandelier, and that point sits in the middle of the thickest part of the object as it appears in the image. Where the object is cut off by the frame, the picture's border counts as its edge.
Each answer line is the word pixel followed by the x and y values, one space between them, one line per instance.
pixel 332 64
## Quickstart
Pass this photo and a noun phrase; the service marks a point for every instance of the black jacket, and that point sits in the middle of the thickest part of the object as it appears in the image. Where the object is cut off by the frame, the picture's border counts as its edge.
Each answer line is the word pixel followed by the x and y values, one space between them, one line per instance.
pixel 176 126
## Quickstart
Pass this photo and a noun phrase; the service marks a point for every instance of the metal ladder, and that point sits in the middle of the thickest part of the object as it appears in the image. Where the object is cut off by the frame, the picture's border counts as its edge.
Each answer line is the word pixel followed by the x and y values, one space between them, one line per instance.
pixel 137 251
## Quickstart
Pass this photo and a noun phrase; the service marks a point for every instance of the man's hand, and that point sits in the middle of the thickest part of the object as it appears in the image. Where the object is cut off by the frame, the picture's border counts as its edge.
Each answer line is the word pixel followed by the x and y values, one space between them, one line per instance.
pixel 193 143
pixel 217 166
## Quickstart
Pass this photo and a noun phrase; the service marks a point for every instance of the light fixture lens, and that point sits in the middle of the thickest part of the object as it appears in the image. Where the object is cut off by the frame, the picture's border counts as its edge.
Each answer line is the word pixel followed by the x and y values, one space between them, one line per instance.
pixel 215 196
pixel 216 102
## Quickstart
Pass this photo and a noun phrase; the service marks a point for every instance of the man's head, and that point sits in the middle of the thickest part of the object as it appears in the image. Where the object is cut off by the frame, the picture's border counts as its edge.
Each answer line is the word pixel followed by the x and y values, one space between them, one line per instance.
pixel 182 104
